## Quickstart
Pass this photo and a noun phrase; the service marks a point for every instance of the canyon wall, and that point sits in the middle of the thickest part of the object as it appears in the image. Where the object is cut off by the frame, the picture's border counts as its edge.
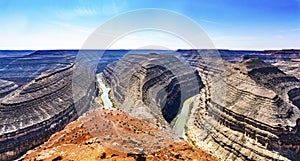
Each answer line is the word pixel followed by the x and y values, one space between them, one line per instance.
pixel 291 67
pixel 258 119
pixel 32 113
pixel 247 111
pixel 6 87
pixel 21 68
pixel 151 85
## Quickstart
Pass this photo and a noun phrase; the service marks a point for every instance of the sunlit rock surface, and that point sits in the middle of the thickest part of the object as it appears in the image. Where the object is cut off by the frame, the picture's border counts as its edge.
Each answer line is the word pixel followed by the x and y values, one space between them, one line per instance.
pixel 21 67
pixel 31 114
pixel 291 67
pixel 255 121
pixel 150 86
pixel 242 111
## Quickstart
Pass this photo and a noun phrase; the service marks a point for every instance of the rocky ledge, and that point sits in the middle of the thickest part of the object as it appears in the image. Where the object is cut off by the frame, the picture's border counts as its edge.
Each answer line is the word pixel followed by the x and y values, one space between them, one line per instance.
pixel 32 113
pixel 257 119
pixel 151 86
pixel 6 87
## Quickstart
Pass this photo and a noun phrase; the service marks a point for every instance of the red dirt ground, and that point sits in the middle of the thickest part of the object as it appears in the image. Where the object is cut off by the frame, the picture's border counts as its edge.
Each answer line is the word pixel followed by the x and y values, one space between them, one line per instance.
pixel 113 135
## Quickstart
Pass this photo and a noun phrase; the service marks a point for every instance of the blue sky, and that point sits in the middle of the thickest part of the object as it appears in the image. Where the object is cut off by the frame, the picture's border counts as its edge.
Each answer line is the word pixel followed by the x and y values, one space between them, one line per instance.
pixel 232 24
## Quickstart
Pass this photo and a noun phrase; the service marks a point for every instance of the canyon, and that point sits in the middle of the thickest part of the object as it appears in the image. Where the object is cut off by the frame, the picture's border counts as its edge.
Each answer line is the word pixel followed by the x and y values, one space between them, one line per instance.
pixel 247 111
pixel 234 105
pixel 151 86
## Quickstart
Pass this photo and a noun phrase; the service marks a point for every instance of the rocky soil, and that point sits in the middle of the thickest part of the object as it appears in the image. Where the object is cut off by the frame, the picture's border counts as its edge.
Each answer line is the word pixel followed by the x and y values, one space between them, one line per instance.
pixel 113 135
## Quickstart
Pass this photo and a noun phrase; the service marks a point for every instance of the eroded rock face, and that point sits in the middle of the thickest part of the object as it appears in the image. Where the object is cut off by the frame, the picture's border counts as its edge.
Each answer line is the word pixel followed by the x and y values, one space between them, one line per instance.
pixel 294 96
pixel 153 84
pixel 291 67
pixel 21 67
pixel 31 114
pixel 246 111
pixel 255 121
pixel 6 87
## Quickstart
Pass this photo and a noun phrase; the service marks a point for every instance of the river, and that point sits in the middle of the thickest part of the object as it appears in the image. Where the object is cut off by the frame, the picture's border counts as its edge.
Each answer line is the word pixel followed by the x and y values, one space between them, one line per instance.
pixel 183 116
pixel 104 96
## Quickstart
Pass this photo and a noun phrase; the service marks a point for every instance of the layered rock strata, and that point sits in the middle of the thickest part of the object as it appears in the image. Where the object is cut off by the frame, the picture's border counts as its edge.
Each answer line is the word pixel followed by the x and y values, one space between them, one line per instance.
pixel 29 115
pixel 291 67
pixel 254 120
pixel 6 87
pixel 272 56
pixel 23 68
pixel 151 85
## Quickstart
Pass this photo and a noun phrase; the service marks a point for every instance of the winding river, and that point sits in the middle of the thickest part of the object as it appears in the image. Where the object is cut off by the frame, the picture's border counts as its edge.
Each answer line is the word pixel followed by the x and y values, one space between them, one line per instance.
pixel 183 116
pixel 180 121
pixel 104 96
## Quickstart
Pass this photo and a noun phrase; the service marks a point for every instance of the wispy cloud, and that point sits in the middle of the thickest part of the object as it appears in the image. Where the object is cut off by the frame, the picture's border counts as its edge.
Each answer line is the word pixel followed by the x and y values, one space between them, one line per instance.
pixel 114 7
pixel 86 11
pixel 102 8
pixel 76 12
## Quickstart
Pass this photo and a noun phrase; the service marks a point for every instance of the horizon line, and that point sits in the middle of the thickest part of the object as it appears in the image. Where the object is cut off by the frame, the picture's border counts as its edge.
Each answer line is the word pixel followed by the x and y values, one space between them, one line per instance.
pixel 155 49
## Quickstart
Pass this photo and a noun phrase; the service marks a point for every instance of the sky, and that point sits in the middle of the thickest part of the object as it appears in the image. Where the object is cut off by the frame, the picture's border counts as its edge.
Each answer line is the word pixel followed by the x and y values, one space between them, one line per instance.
pixel 230 24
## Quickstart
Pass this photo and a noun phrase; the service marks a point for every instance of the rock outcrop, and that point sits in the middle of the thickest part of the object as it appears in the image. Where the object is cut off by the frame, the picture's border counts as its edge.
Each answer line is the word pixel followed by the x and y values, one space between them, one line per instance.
pixel 6 87
pixel 32 113
pixel 255 120
pixel 24 66
pixel 113 135
pixel 291 67
pixel 149 86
